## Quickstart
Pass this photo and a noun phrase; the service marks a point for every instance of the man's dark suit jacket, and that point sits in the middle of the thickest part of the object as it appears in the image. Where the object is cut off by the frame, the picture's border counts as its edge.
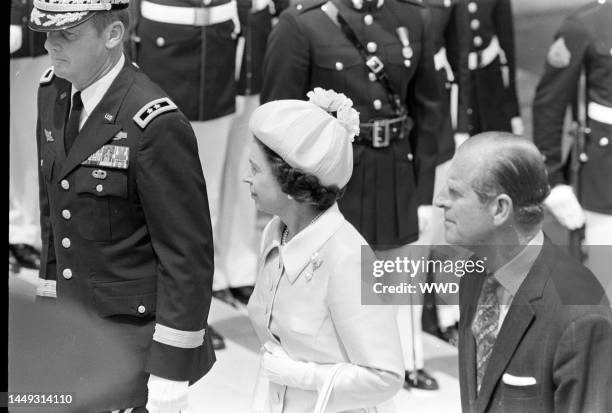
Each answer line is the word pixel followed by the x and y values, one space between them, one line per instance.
pixel 558 330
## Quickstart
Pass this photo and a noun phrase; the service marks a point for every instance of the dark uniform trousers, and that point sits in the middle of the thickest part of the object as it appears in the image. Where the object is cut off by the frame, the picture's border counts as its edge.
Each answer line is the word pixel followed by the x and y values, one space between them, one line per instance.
pixel 126 239
pixel 494 99
pixel 307 50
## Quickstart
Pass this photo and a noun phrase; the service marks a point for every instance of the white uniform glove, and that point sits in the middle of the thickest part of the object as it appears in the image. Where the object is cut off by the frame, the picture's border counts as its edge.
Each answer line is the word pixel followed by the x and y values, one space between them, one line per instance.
pixel 16 38
pixel 167 396
pixel 460 138
pixel 565 207
pixel 518 128
pixel 278 367
pixel 424 212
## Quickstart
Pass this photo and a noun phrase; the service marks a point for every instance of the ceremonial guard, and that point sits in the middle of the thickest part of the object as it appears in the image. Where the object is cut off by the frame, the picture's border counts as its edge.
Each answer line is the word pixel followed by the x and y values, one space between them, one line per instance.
pixel 126 233
pixel 452 42
pixel 578 73
pixel 28 60
pixel 380 55
pixel 495 103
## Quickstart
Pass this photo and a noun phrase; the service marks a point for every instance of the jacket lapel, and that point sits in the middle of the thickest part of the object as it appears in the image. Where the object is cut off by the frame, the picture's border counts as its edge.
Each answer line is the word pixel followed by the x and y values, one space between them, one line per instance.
pixel 517 322
pixel 101 125
pixel 58 118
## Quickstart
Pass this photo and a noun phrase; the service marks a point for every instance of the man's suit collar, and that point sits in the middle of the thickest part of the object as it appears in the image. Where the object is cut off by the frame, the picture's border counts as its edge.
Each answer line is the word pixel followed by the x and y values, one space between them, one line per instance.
pixel 516 323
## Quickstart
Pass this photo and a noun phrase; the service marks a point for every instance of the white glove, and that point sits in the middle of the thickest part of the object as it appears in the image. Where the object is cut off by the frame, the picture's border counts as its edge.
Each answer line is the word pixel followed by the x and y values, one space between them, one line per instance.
pixel 278 367
pixel 167 396
pixel 425 213
pixel 16 38
pixel 460 138
pixel 518 128
pixel 565 207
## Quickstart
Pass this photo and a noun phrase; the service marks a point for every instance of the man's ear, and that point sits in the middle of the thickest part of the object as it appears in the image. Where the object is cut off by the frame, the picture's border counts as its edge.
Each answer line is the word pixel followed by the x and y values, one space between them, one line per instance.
pixel 114 34
pixel 502 208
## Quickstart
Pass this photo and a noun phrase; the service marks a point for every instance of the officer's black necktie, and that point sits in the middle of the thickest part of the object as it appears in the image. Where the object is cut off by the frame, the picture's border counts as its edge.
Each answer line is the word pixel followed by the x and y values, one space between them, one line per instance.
pixel 72 127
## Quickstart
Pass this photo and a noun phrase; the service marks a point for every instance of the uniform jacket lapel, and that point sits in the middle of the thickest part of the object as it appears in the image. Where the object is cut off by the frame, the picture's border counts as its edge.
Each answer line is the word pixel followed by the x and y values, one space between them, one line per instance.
pixel 58 118
pixel 517 321
pixel 101 126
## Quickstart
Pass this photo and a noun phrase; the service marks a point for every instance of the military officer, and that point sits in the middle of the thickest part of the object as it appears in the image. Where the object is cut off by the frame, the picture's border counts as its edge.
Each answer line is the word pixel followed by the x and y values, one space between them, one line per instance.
pixel 126 233
pixel 380 54
pixel 452 43
pixel 28 60
pixel 583 43
pixel 491 61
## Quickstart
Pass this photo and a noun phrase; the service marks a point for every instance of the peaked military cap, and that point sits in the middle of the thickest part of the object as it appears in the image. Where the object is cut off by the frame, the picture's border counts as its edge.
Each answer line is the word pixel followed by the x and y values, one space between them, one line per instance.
pixel 55 15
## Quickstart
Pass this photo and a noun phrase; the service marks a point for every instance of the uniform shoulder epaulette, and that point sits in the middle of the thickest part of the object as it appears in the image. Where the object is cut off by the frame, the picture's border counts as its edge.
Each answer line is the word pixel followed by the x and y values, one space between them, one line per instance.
pixel 306 5
pixel 152 110
pixel 415 2
pixel 47 77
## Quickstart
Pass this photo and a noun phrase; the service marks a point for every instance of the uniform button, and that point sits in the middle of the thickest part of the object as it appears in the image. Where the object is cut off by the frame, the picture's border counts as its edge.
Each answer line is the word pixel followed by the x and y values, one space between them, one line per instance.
pixel 407 63
pixel 372 47
pixel 66 214
pixel 67 273
pixel 604 141
pixel 99 188
pixel 160 41
pixel 583 157
pixel 447 3
pixel 372 77
pixel 207 2
pixel 469 111
pixel 299 7
pixel 65 184
pixel 477 41
pixel 475 24
pixel 66 242
pixel 377 104
pixel 472 7
pixel 141 309
pixel 339 66
pixel 368 19
pixel 410 157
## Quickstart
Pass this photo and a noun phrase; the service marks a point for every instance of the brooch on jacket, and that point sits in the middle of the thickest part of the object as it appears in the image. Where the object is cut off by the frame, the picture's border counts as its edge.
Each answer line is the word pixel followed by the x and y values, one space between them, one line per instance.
pixel 315 263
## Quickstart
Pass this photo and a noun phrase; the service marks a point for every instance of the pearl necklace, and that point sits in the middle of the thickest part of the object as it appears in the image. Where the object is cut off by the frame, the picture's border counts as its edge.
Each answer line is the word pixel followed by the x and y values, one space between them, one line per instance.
pixel 286 230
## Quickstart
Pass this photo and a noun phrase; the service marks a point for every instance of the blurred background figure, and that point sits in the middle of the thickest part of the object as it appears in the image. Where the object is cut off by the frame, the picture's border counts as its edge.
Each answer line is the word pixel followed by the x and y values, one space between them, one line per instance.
pixel 578 78
pixel 491 61
pixel 28 60
pixel 452 42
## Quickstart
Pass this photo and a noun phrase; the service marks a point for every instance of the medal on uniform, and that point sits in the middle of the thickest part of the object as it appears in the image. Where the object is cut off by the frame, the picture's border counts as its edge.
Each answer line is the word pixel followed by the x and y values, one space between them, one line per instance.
pixel 110 156
pixel 407 52
pixel 49 136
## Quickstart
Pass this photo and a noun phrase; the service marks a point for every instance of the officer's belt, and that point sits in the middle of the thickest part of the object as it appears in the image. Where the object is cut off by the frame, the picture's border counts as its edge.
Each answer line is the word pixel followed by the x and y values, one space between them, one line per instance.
pixel 600 113
pixel 189 16
pixel 484 57
pixel 380 133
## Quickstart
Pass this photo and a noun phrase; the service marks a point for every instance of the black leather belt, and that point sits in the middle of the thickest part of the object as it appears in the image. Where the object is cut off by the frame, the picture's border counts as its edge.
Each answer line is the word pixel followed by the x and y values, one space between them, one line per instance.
pixel 380 133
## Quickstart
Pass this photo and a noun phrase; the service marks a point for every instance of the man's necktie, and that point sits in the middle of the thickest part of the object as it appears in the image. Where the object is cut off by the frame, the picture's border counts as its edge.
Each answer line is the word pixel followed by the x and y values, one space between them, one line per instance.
pixel 72 127
pixel 485 325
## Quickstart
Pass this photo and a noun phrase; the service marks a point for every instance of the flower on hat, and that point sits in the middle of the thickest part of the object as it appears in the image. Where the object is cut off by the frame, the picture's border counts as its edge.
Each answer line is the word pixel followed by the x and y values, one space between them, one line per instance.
pixel 331 101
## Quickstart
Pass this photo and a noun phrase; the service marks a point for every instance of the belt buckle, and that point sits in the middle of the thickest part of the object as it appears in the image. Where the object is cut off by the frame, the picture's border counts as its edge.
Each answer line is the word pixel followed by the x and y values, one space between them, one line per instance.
pixel 380 135
pixel 201 17
pixel 375 64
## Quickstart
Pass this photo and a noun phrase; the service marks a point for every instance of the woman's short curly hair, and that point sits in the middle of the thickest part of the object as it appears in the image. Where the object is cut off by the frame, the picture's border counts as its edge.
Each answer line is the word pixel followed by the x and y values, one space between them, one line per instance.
pixel 302 186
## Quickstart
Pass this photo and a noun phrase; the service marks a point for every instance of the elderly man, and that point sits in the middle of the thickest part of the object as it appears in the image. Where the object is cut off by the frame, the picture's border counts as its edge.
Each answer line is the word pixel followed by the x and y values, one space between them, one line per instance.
pixel 126 233
pixel 535 330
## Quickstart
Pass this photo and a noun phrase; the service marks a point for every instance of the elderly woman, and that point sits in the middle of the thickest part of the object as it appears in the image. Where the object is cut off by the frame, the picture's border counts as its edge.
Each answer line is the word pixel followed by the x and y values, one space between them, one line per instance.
pixel 322 349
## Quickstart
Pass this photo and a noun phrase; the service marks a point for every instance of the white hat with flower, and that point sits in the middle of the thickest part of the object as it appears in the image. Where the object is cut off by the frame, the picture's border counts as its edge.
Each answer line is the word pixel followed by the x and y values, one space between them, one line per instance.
pixel 308 137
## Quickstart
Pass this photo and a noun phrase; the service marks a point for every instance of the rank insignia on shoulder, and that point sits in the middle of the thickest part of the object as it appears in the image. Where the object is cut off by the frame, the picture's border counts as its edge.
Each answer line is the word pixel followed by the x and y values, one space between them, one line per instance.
pixel 559 55
pixel 47 76
pixel 152 110
pixel 110 156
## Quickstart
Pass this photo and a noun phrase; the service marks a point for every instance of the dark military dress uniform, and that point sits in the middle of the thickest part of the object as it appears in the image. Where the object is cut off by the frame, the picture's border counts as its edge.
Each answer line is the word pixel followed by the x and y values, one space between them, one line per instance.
pixel 307 49
pixel 451 40
pixel 126 235
pixel 188 47
pixel 491 61
pixel 587 44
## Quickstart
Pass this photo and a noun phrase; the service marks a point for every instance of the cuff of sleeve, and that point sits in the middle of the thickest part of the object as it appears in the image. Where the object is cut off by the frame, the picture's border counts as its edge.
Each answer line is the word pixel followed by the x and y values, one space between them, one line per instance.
pixel 47 288
pixel 172 363
pixel 178 338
